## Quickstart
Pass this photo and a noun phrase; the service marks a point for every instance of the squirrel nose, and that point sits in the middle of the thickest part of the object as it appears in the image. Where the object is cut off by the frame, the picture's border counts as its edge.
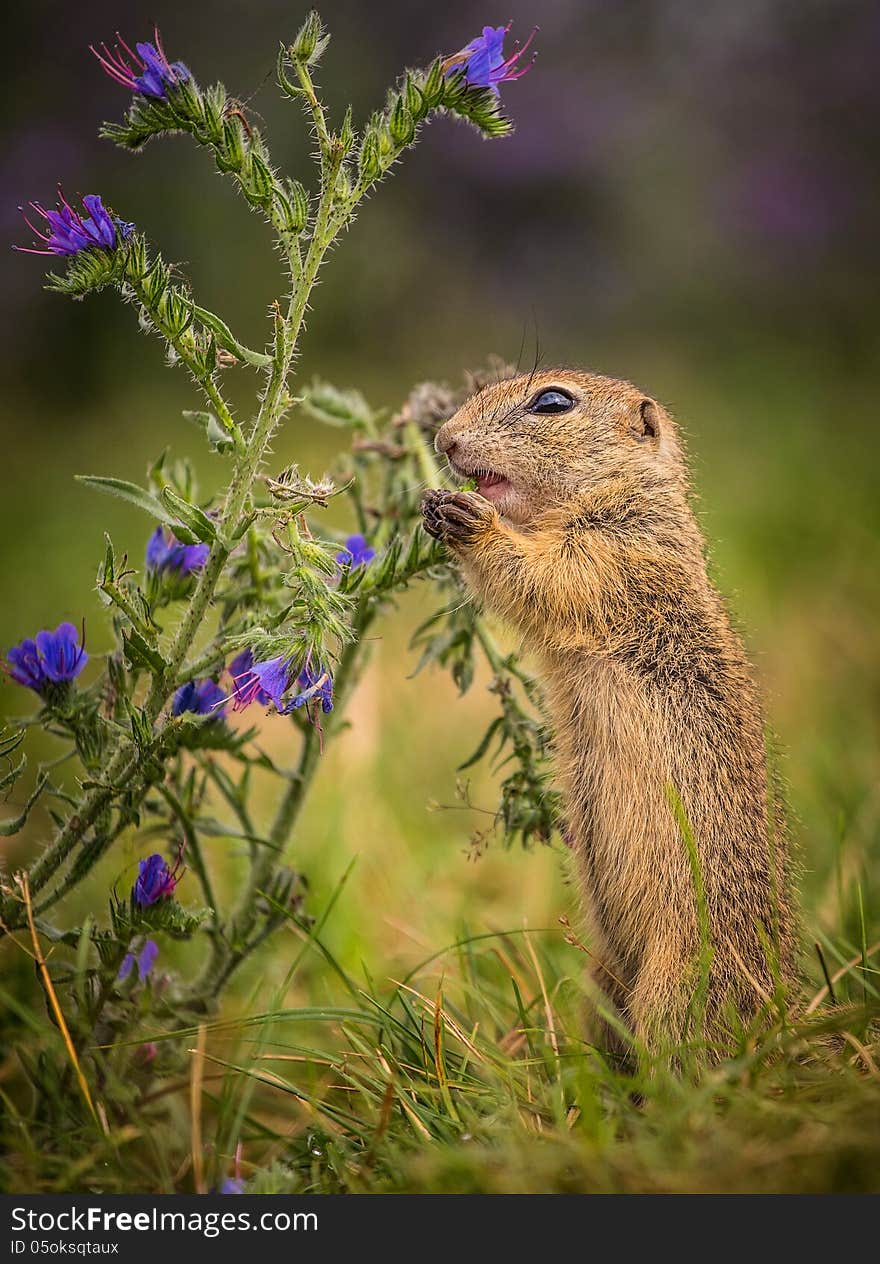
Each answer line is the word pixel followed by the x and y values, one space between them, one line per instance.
pixel 444 443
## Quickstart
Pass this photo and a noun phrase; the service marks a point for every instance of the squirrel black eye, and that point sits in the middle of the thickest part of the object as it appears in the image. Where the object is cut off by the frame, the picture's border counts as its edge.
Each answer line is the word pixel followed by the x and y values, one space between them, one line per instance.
pixel 552 401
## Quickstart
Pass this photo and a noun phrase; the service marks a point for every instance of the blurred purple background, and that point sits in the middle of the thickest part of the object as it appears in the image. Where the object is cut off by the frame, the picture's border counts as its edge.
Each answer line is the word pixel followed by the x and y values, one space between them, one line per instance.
pixel 690 200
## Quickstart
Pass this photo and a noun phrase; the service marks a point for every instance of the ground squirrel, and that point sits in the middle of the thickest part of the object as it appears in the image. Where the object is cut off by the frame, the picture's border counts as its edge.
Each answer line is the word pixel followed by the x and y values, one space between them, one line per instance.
pixel 582 537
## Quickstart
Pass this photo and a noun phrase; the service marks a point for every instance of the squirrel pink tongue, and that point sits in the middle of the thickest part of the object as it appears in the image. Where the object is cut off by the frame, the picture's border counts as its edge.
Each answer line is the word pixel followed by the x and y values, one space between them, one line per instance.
pixel 492 486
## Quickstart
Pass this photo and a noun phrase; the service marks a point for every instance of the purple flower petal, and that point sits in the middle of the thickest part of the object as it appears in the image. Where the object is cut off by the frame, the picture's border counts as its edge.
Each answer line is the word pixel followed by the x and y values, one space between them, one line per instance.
pixel 144 69
pixel 23 665
pixel 246 686
pixel 155 881
pixel 273 678
pixel 70 233
pixel 147 958
pixel 201 697
pixel 355 552
pixel 61 655
pixel 316 683
pixel 483 63
pixel 166 553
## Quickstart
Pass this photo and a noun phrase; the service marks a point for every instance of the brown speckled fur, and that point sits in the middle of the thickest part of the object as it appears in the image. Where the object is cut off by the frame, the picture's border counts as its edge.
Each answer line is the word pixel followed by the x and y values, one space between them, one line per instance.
pixel 596 557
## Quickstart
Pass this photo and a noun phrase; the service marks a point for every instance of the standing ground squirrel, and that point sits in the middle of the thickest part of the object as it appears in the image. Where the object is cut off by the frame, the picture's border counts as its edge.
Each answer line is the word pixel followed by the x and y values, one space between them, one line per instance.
pixel 582 537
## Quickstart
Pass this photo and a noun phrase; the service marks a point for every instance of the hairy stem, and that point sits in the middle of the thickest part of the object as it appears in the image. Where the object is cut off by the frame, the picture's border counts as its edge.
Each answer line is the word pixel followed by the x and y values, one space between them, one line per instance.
pixel 228 952
pixel 125 763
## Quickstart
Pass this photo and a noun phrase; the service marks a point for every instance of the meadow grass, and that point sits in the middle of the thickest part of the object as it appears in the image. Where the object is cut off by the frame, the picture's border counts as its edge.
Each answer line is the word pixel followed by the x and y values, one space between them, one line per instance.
pixel 428 1035
pixel 469 1073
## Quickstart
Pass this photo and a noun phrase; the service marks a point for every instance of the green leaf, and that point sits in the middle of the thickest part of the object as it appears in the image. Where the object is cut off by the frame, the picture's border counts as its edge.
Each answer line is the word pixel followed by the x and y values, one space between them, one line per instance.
pixel 193 518
pixel 247 521
pixel 13 824
pixel 14 773
pixel 336 407
pixel 218 440
pixel 141 729
pixel 140 653
pixel 484 744
pixel 227 339
pixel 132 493
pixel 10 742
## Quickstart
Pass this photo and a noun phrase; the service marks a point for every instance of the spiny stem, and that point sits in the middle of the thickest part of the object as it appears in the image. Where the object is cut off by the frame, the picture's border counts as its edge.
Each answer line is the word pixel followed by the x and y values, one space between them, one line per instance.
pixel 224 957
pixel 122 765
pixel 204 381
pixel 316 109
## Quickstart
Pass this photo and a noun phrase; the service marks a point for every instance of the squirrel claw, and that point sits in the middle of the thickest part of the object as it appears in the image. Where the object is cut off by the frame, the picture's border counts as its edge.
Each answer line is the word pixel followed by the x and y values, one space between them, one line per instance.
pixel 455 517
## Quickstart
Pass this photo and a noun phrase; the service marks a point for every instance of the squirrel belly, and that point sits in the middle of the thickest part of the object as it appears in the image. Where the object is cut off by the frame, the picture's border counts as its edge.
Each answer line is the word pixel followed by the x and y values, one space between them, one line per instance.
pixel 584 541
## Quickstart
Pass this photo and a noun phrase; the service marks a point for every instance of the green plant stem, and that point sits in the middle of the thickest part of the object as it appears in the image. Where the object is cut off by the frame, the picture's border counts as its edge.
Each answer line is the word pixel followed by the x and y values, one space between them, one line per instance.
pixel 205 382
pixel 423 455
pixel 316 110
pixel 227 953
pixel 127 760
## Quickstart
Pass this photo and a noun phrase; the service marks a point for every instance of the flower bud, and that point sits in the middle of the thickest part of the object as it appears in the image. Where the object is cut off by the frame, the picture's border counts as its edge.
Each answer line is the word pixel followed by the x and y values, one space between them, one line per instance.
pixel 310 41
pixel 346 132
pixel 175 313
pixel 233 145
pixel 369 163
pixel 387 146
pixel 299 206
pixel 257 180
pixel 186 100
pixel 213 104
pixel 432 89
pixel 342 188
pixel 415 101
pixel 401 123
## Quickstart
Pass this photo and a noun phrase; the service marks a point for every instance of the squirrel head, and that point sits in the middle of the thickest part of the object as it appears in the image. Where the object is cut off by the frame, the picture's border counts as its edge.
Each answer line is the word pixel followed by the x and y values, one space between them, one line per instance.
pixel 542 440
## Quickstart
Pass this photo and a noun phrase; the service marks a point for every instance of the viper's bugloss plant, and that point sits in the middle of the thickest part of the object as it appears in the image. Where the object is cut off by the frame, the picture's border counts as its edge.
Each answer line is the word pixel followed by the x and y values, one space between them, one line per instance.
pixel 244 599
pixel 144 960
pixel 482 62
pixel 166 553
pixel 146 69
pixel 71 232
pixel 155 880
pixel 200 697
pixel 355 552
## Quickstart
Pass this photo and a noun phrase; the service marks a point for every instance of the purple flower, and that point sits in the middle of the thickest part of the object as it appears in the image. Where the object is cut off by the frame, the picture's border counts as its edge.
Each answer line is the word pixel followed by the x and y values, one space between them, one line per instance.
pixel 201 697
pixel 231 1185
pixel 267 682
pixel 483 63
pixel 166 553
pixel 314 682
pixel 51 658
pixel 145 70
pixel 155 880
pixel 355 552
pixel 23 665
pixel 246 687
pixel 70 233
pixel 145 960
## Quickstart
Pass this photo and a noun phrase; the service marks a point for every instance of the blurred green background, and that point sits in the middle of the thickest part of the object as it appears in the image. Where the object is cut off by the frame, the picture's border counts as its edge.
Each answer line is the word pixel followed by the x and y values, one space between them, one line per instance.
pixel 689 201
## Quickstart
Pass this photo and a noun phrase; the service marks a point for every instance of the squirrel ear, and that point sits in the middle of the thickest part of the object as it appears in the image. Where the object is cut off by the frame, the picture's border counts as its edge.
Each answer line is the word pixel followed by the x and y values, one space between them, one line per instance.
pixel 646 423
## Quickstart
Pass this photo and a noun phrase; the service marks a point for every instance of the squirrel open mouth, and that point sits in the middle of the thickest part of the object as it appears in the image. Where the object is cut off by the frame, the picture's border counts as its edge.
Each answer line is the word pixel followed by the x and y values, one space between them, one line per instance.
pixel 490 484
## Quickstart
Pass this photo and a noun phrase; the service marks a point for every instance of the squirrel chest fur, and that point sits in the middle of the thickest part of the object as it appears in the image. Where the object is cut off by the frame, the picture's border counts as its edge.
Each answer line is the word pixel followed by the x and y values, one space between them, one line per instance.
pixel 582 537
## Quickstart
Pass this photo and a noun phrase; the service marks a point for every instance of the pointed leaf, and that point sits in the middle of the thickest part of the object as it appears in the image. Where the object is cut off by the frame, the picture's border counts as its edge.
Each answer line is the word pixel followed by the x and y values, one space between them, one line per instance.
pixel 195 519
pixel 131 492
pixel 227 339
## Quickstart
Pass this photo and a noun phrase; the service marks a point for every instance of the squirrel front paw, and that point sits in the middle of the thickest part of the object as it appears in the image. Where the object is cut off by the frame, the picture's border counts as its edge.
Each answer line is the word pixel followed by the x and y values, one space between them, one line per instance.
pixel 456 518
